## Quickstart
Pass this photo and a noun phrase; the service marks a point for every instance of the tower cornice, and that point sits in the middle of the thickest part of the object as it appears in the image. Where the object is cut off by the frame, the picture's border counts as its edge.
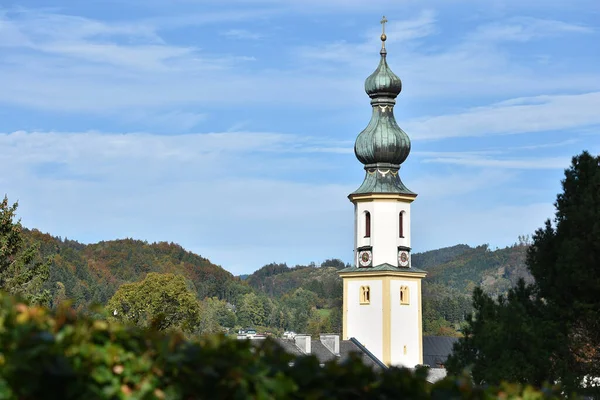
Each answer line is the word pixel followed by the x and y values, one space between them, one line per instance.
pixel 357 197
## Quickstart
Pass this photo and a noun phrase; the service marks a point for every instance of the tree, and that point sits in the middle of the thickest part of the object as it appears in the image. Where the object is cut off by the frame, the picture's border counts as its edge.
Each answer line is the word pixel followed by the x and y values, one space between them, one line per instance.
pixel 564 259
pixel 215 315
pixel 333 262
pixel 161 300
pixel 549 330
pixel 251 311
pixel 335 320
pixel 22 271
pixel 508 339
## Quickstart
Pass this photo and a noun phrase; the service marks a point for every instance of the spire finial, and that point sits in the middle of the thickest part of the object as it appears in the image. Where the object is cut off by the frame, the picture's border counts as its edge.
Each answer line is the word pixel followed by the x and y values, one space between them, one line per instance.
pixel 383 36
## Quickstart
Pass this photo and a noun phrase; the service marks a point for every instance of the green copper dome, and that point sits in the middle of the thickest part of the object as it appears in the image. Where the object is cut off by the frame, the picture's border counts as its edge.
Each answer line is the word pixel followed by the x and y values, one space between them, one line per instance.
pixel 383 82
pixel 382 146
pixel 382 141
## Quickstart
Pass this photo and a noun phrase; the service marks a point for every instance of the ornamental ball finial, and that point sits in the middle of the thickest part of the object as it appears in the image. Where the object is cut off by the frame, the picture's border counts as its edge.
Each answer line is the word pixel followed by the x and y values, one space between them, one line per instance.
pixel 383 35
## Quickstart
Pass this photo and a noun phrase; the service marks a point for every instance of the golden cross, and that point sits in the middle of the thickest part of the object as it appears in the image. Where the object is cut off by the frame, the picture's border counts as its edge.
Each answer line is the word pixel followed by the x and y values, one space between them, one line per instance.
pixel 383 21
pixel 383 36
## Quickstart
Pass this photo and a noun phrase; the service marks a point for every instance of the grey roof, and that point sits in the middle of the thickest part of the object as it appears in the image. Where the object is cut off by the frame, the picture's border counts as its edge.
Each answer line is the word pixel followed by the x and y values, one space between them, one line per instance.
pixel 383 267
pixel 288 346
pixel 436 350
pixel 353 345
pixel 322 353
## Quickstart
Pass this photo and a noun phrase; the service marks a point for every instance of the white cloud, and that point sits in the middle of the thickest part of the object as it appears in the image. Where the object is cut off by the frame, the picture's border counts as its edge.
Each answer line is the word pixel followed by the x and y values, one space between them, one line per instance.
pixel 231 197
pixel 245 198
pixel 512 163
pixel 242 34
pixel 521 115
pixel 192 189
pixel 87 65
pixel 524 29
pixel 444 185
pixel 171 121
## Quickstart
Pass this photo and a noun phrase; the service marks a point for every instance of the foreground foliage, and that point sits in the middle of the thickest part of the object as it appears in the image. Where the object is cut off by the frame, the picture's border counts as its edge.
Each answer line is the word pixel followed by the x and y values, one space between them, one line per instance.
pixel 58 355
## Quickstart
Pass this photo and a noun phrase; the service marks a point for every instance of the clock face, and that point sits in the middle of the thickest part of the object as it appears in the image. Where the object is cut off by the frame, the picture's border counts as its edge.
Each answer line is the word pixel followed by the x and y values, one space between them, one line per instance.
pixel 364 258
pixel 403 258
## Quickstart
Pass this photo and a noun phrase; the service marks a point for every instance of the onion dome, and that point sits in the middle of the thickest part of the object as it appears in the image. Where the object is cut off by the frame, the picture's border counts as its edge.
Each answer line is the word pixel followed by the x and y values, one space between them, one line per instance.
pixel 382 146
pixel 383 82
pixel 382 141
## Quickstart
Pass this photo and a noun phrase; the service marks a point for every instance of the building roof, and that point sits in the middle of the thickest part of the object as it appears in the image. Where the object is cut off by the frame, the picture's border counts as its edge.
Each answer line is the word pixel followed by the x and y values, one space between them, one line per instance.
pixel 288 346
pixel 382 180
pixel 324 354
pixel 384 267
pixel 436 350
pixel 321 352
pixel 368 358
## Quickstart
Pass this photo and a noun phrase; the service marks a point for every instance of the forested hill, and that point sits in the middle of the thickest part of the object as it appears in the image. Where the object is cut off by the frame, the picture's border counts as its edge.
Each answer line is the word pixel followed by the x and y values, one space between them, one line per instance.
pixel 453 273
pixel 461 268
pixel 458 269
pixel 279 296
pixel 92 273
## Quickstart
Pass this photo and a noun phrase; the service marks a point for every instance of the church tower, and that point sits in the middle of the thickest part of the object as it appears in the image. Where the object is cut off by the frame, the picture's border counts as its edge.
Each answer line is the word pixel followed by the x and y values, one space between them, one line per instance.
pixel 382 292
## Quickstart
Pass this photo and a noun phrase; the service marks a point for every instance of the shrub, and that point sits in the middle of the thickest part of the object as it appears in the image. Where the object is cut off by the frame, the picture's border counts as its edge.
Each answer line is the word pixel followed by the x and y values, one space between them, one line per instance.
pixel 60 355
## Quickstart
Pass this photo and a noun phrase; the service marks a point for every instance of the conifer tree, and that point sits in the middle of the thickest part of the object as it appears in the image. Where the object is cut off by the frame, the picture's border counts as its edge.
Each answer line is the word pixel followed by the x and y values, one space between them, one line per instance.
pixel 551 329
pixel 22 272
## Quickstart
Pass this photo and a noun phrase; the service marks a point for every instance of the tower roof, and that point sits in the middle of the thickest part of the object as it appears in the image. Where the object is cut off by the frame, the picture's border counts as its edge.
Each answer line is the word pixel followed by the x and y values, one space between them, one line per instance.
pixel 382 145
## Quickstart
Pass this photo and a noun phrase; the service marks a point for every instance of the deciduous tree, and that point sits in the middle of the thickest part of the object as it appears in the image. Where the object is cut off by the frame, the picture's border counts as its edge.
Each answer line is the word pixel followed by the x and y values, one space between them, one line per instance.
pixel 162 300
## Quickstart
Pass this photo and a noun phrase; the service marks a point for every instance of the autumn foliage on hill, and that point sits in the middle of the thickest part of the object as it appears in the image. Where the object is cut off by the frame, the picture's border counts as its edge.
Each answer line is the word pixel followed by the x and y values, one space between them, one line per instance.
pixel 88 274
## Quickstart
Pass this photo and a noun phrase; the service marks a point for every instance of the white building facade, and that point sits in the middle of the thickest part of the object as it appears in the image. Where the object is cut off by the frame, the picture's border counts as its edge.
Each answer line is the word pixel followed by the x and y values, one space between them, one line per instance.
pixel 382 292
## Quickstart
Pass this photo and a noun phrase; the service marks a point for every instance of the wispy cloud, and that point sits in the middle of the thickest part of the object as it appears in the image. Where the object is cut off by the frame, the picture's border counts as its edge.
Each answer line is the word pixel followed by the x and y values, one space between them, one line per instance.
pixel 509 163
pixel 269 95
pixel 524 29
pixel 242 34
pixel 521 115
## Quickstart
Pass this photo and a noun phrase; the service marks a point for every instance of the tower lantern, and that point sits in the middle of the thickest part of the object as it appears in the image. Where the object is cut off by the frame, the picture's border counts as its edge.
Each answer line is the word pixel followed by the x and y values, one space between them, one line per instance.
pixel 382 292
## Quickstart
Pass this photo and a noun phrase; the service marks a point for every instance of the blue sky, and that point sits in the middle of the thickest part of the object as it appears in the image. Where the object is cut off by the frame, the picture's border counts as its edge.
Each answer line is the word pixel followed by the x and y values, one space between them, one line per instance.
pixel 228 127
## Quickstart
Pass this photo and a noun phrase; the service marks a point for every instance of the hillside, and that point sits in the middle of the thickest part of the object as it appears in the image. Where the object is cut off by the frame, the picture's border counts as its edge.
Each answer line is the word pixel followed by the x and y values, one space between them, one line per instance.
pixel 458 269
pixel 92 273
pixel 276 294
pixel 275 280
pixel 453 272
pixel 495 271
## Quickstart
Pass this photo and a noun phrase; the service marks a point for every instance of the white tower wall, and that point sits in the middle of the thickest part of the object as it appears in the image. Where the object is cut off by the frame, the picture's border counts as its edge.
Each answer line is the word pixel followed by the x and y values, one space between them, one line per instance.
pixel 365 321
pixel 385 229
pixel 406 324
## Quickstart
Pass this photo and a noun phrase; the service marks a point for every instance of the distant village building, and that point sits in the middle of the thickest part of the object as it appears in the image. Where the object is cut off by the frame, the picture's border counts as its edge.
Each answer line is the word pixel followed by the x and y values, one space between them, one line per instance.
pixel 329 347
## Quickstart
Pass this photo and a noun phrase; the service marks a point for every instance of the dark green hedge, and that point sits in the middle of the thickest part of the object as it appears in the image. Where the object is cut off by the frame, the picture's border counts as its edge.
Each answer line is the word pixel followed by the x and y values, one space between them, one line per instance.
pixel 59 355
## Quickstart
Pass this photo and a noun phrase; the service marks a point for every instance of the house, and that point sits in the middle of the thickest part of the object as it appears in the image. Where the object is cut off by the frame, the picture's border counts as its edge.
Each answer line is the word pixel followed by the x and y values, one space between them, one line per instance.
pixel 329 347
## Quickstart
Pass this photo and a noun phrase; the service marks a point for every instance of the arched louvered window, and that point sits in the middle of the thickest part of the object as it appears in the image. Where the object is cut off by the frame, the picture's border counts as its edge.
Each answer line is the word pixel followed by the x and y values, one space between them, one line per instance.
pixel 401 224
pixel 367 224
